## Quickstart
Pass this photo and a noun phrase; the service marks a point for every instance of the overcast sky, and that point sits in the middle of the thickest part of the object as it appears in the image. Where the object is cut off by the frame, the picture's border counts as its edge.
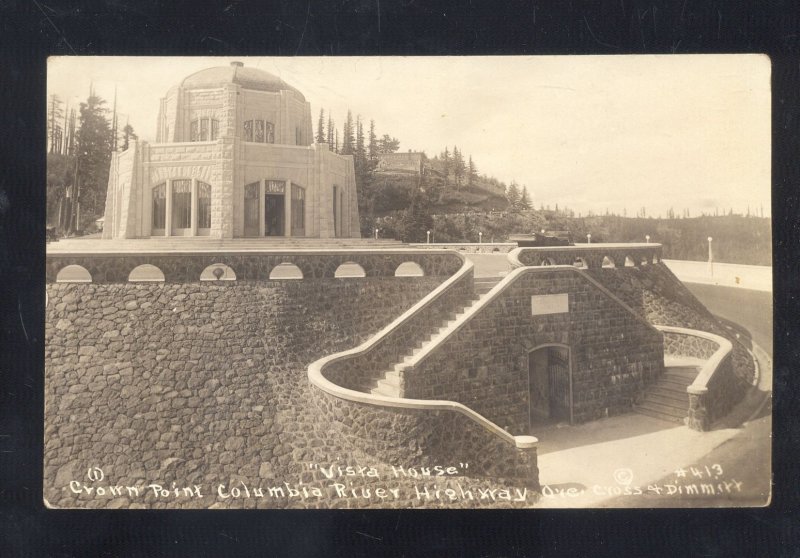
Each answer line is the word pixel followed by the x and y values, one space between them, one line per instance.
pixel 589 132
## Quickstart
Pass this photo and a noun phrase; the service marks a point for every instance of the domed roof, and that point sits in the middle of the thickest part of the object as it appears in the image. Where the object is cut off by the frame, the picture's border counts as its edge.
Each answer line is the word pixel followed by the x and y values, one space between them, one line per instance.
pixel 248 78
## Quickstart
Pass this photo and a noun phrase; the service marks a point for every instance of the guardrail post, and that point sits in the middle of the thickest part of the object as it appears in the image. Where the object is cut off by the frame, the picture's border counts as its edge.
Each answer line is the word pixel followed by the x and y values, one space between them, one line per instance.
pixel 698 418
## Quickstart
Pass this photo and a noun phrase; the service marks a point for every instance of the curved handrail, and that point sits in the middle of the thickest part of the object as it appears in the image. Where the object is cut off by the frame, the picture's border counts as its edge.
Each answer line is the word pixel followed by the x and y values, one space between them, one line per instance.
pixel 725 347
pixel 317 377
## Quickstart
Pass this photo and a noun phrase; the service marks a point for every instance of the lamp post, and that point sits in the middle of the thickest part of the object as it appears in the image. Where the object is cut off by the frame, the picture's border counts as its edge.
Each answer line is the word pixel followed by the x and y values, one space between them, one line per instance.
pixel 429 237
pixel 647 238
pixel 376 233
pixel 589 238
pixel 480 238
pixel 710 257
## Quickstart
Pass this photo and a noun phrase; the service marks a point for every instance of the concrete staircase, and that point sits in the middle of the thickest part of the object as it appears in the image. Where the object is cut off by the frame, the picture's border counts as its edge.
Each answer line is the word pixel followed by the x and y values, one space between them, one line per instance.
pixel 667 398
pixel 387 382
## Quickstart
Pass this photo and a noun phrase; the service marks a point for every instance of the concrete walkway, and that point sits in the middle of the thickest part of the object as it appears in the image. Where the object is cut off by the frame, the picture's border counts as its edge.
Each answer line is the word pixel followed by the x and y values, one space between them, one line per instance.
pixel 637 461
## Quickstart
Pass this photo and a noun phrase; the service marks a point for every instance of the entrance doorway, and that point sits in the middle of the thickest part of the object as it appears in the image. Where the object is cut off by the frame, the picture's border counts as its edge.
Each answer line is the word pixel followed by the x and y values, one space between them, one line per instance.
pixel 274 215
pixel 550 384
pixel 251 210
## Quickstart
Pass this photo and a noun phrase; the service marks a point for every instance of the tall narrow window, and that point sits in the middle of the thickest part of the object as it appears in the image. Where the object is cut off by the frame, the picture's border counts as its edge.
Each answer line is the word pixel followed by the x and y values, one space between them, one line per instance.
pixel 258 133
pixel 204 129
pixel 194 133
pixel 298 210
pixel 159 206
pixel 181 204
pixel 297 135
pixel 269 128
pixel 214 129
pixel 248 130
pixel 203 205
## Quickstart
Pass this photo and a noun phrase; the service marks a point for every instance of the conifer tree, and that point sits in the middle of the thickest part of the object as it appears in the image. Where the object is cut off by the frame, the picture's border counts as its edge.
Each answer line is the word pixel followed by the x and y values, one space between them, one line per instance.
pixel 55 133
pixel 321 127
pixel 446 165
pixel 472 172
pixel 513 196
pixel 331 133
pixel 525 200
pixel 360 151
pixel 127 135
pixel 373 141
pixel 348 141
pixel 459 168
pixel 94 155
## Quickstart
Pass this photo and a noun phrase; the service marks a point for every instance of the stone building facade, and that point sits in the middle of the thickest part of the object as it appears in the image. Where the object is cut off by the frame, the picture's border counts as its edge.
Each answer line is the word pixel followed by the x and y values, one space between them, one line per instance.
pixel 234 157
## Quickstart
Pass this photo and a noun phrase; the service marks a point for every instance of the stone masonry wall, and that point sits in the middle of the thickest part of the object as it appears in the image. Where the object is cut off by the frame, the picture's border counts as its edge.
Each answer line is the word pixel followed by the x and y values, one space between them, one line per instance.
pixel 484 365
pixel 416 435
pixel 200 383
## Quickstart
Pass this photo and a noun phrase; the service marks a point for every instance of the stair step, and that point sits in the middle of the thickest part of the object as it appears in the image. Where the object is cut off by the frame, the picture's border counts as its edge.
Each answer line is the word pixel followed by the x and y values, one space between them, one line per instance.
pixel 656 414
pixel 689 374
pixel 388 392
pixel 675 394
pixel 667 400
pixel 676 383
pixel 668 410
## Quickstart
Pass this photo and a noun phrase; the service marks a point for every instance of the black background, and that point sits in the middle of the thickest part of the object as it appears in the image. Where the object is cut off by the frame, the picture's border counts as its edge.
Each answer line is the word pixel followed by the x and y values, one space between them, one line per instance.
pixel 35 29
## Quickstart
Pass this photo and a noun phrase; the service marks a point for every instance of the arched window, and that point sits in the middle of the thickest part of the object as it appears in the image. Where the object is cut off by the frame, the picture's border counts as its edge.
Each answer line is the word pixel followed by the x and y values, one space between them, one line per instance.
pixel 349 269
pixel 285 270
pixel 409 269
pixel 203 205
pixel 146 273
pixel 160 206
pixel 74 274
pixel 203 129
pixel 181 204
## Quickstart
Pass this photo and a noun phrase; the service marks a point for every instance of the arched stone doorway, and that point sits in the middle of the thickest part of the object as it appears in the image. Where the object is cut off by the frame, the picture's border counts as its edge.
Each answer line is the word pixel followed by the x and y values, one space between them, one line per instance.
pixel 550 384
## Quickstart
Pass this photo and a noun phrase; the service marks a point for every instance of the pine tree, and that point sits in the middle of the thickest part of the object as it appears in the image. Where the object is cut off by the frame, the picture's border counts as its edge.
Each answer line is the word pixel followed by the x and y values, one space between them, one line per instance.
pixel 373 141
pixel 458 165
pixel 446 164
pixel 348 139
pixel 94 154
pixel 360 150
pixel 321 127
pixel 513 197
pixel 128 135
pixel 331 133
pixel 472 172
pixel 55 132
pixel 525 200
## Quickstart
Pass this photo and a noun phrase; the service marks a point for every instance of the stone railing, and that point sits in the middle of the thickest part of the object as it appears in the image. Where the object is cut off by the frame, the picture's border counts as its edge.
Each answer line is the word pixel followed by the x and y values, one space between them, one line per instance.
pixel 713 392
pixel 589 256
pixel 402 431
pixel 471 247
pixel 187 266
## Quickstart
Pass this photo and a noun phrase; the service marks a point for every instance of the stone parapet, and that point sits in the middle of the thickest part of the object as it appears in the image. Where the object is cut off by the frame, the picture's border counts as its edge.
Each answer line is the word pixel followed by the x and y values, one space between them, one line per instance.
pixel 590 256
pixel 183 267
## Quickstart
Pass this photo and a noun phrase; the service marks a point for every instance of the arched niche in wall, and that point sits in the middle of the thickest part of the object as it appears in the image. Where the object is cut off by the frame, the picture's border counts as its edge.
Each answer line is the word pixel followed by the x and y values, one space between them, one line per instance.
pixel 285 270
pixel 629 262
pixel 349 269
pixel 580 263
pixel 608 262
pixel 409 269
pixel 218 272
pixel 74 273
pixel 146 273
pixel 547 261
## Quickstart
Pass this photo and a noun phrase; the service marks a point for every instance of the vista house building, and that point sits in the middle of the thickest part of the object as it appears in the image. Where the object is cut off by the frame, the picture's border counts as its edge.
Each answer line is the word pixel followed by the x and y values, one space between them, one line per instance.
pixel 234 157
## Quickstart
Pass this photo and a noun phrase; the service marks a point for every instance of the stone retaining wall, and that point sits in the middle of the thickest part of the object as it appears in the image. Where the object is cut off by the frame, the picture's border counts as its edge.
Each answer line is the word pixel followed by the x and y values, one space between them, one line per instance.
pixel 408 436
pixel 200 382
pixel 680 344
